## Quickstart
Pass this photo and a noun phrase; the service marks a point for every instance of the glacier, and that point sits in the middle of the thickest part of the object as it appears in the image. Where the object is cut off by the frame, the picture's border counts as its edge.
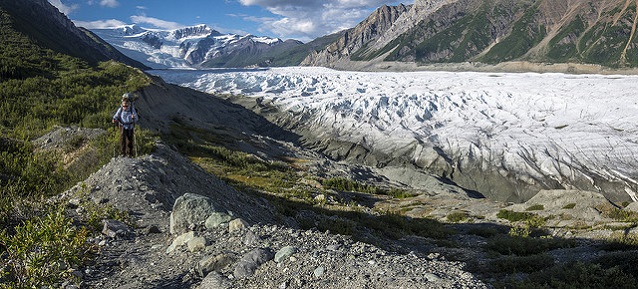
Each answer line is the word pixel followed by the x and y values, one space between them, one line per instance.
pixel 504 135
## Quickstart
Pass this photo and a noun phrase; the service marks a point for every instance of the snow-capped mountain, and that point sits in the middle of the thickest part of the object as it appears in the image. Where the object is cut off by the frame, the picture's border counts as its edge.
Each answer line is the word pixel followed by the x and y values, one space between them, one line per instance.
pixel 192 47
pixel 503 135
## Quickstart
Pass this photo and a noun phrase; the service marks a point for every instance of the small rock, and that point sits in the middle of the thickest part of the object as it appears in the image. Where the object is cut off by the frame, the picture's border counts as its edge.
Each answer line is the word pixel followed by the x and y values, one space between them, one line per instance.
pixel 432 277
pixel 251 238
pixel 214 280
pixel 196 244
pixel 74 203
pixel 180 240
pixel 285 253
pixel 216 219
pixel 214 263
pixel 319 271
pixel 251 261
pixel 237 225
pixel 116 229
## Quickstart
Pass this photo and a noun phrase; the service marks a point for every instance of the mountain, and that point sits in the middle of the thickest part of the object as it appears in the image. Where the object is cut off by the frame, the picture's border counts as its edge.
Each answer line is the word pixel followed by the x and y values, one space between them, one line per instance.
pixel 51 29
pixel 203 47
pixel 495 31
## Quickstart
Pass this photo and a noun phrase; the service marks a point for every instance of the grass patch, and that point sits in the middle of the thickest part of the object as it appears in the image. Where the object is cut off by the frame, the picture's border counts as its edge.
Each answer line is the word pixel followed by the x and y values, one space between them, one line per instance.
pixel 569 206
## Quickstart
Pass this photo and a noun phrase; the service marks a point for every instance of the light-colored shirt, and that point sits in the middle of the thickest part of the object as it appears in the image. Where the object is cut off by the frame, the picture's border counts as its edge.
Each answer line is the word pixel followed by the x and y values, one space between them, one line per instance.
pixel 125 117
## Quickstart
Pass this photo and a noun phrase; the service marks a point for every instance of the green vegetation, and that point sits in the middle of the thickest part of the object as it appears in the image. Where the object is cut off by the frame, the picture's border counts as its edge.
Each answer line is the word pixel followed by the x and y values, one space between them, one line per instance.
pixel 457 217
pixel 475 30
pixel 526 33
pixel 43 250
pixel 294 192
pixel 578 275
pixel 562 48
pixel 514 216
pixel 605 41
pixel 569 206
pixel 40 90
pixel 537 207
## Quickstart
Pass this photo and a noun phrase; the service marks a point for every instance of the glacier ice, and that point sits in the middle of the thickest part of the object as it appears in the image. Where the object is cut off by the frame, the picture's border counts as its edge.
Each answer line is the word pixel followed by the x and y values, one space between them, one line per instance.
pixel 506 135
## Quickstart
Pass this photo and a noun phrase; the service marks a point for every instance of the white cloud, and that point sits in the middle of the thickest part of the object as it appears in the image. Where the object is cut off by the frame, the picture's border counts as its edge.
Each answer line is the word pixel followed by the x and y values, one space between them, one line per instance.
pixel 100 24
pixel 109 3
pixel 158 23
pixel 312 18
pixel 66 9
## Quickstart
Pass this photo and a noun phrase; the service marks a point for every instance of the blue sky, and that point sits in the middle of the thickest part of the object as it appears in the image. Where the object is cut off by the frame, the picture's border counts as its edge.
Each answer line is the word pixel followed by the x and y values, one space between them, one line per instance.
pixel 297 19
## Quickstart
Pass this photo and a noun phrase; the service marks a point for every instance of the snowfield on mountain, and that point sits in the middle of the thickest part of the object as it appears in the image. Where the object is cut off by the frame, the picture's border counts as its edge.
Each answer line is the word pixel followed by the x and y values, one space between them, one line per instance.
pixel 505 135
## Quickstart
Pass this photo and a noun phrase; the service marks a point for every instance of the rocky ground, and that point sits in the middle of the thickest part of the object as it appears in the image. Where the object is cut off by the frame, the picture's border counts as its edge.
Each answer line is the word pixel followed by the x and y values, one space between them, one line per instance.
pixel 188 229
pixel 221 238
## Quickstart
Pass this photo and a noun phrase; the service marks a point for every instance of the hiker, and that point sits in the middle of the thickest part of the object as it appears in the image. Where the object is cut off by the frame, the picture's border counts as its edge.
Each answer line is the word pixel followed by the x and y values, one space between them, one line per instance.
pixel 125 118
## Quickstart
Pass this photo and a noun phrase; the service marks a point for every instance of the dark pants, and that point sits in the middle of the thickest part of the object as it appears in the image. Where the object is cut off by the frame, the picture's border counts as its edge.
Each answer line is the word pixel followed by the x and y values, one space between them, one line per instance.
pixel 126 142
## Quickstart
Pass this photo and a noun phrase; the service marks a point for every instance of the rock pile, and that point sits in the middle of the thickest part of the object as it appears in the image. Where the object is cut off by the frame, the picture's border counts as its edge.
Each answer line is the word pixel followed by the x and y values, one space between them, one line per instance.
pixel 191 230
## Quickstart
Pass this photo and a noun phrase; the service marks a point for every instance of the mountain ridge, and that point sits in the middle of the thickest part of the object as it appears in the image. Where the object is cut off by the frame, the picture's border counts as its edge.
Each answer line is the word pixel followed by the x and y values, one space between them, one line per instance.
pixel 52 29
pixel 493 32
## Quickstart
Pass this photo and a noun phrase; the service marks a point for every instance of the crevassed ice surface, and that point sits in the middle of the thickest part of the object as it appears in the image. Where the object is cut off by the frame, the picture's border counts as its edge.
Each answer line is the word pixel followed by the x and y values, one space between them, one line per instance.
pixel 540 125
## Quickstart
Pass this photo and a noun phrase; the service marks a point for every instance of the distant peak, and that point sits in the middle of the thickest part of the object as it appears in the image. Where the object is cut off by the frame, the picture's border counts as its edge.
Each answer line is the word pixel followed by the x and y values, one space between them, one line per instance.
pixel 200 30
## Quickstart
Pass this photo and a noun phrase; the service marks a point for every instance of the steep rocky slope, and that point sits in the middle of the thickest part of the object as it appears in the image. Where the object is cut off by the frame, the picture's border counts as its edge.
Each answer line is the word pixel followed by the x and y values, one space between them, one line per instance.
pixel 583 31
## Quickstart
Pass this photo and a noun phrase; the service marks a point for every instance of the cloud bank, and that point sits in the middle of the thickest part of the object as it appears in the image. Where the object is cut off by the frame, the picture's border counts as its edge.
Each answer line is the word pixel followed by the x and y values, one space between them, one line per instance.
pixel 313 18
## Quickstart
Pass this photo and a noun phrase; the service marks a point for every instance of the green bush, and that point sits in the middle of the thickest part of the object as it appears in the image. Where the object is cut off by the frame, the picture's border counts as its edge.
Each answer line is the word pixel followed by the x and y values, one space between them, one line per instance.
pixel 42 252
pixel 513 216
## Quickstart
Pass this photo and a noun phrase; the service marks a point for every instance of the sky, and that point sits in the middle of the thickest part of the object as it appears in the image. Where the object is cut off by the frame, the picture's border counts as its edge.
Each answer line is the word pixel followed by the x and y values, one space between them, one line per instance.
pixel 303 20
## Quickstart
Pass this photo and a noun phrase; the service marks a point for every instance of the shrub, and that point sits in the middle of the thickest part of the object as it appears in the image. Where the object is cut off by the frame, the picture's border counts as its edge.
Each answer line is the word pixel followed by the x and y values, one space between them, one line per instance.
pixel 521 264
pixel 579 275
pixel 514 216
pixel 569 206
pixel 526 246
pixel 537 207
pixel 42 252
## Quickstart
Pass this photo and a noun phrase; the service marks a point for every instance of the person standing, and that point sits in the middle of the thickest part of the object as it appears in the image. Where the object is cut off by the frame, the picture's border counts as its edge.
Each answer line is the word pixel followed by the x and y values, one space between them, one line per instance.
pixel 125 118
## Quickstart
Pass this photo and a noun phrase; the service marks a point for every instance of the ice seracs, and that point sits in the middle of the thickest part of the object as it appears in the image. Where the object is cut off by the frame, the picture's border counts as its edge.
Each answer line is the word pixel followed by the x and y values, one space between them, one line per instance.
pixel 506 136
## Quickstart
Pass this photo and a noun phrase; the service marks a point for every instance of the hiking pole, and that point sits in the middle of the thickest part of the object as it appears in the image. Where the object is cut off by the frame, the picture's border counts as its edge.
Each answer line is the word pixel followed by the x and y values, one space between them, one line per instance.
pixel 135 142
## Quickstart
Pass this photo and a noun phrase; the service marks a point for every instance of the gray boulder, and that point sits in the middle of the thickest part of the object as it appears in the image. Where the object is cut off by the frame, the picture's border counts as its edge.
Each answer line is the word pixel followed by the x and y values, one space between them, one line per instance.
pixel 251 261
pixel 190 211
